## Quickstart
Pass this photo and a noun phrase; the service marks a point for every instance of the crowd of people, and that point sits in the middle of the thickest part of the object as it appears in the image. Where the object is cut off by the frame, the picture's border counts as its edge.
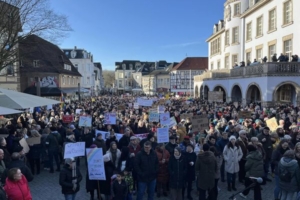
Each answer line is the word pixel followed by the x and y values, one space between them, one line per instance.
pixel 230 149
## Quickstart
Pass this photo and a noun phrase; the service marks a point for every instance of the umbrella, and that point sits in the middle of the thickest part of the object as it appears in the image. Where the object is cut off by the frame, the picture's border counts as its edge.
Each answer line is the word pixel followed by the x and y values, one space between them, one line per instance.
pixel 8 111
pixel 18 100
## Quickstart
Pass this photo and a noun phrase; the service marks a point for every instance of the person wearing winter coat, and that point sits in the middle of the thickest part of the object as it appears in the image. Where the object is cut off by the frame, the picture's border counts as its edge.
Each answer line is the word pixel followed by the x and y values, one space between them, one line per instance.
pixel 100 143
pixel 221 143
pixel 171 145
pixel 16 186
pixel 105 185
pixel 277 154
pixel 232 155
pixel 178 170
pixel 219 159
pixel 34 154
pixel 206 168
pixel 134 148
pixel 289 176
pixel 254 167
pixel 146 167
pixel 242 141
pixel 119 188
pixel 53 143
pixel 111 138
pixel 125 139
pixel 69 179
pixel 191 157
pixel 163 173
pixel 114 153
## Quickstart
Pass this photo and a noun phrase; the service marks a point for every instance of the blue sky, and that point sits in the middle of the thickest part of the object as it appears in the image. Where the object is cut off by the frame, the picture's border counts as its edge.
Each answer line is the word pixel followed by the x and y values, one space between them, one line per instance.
pixel 146 30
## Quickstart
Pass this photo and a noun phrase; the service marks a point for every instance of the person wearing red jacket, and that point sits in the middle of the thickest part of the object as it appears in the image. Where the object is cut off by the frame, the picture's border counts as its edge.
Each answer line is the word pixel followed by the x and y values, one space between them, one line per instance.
pixel 16 186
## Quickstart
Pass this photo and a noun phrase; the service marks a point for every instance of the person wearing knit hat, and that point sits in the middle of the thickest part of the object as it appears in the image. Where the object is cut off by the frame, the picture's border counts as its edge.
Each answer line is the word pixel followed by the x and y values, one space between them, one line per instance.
pixel 178 170
pixel 232 155
pixel 190 176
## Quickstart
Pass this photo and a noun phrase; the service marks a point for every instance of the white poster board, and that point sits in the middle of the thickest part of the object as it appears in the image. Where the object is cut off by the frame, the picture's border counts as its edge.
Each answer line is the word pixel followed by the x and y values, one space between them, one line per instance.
pixel 85 121
pixel 110 118
pixel 162 135
pixel 160 108
pixel 145 102
pixel 172 122
pixel 74 149
pixel 77 111
pixel 95 163
pixel 136 105
pixel 153 117
pixel 105 135
pixel 164 118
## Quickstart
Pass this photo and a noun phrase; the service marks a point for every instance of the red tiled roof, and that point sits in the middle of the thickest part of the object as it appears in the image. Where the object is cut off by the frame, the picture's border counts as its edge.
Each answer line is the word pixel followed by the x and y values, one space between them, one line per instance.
pixel 192 63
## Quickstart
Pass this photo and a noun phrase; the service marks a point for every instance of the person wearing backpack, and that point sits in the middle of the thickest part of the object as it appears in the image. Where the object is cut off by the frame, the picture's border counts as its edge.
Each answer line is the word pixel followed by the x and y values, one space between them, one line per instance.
pixel 289 175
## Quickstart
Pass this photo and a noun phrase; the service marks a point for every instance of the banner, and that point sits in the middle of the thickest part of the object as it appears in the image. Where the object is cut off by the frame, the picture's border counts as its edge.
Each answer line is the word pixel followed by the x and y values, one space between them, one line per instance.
pixel 164 118
pixel 85 121
pixel 153 117
pixel 216 96
pixel 67 119
pixel 162 135
pixel 172 122
pixel 73 150
pixel 244 114
pixel 95 163
pixel 110 118
pixel 145 102
pixel 141 135
pixel 199 123
pixel 186 115
pixel 106 135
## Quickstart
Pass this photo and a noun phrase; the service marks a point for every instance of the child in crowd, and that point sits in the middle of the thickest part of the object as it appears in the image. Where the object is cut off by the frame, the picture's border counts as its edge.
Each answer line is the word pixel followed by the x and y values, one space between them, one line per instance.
pixel 129 182
pixel 119 188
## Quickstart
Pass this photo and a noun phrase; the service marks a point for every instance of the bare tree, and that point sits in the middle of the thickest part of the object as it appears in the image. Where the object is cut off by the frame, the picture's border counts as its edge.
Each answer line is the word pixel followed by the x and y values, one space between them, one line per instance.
pixel 21 18
pixel 109 78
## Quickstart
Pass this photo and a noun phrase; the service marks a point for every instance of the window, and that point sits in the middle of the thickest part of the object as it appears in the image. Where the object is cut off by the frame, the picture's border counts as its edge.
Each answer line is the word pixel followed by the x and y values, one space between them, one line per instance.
pixel 227 38
pixel 76 66
pixel 10 70
pixel 87 80
pixel 234 59
pixel 123 66
pixel 237 8
pixel 73 81
pixel 285 93
pixel 69 80
pixel 248 56
pixel 215 47
pixel 287 12
pixel 218 65
pixel 67 67
pixel 121 75
pixel 258 54
pixel 249 31
pixel 63 80
pixel 272 20
pixel 235 35
pixel 287 45
pixel 259 28
pixel 211 66
pixel 35 63
pixel 272 51
pixel 227 62
pixel 120 84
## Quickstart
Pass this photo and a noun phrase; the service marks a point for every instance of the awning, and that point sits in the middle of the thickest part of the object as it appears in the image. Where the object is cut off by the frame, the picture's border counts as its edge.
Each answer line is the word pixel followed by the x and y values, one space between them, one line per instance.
pixel 74 90
pixel 45 91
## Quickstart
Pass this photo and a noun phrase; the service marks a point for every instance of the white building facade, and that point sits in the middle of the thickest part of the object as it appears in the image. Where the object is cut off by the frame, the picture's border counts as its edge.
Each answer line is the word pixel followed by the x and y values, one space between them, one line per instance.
pixel 252 30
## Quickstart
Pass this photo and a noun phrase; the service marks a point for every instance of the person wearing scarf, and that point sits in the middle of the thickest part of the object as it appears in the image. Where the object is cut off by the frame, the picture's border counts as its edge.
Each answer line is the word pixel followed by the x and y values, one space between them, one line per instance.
pixel 114 153
pixel 178 170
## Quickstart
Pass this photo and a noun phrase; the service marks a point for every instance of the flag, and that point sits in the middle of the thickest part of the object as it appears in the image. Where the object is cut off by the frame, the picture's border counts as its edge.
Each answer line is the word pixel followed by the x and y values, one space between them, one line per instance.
pixel 62 100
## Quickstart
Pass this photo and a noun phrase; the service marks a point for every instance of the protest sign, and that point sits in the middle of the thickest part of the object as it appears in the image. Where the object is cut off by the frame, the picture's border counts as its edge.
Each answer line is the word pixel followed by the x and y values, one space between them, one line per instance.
pixel 33 140
pixel 216 96
pixel 85 121
pixel 24 144
pixel 31 109
pixel 145 102
pixel 186 115
pixel 136 105
pixel 160 108
pixel 67 119
pixel 172 122
pixel 164 118
pixel 95 163
pixel 244 114
pixel 272 124
pixel 199 123
pixel 141 135
pixel 153 117
pixel 74 149
pixel 77 111
pixel 106 135
pixel 121 107
pixel 162 135
pixel 110 118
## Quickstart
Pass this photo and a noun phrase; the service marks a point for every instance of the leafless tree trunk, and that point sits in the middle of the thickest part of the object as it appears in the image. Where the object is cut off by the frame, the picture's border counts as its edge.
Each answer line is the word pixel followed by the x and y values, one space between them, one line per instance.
pixel 21 18
pixel 109 78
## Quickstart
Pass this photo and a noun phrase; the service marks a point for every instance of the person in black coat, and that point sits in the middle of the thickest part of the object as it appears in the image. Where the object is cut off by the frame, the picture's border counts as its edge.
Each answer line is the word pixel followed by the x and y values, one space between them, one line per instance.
pixel 178 171
pixel 105 185
pixel 119 188
pixel 191 157
pixel 100 143
pixel 70 183
pixel 7 155
pixel 34 154
pixel 17 163
pixel 171 145
pixel 112 138
pixel 125 139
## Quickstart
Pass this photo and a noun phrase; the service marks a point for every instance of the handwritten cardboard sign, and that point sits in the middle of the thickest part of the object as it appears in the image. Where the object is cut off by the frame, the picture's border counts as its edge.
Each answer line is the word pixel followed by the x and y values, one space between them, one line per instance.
pixel 96 170
pixel 85 121
pixel 67 119
pixel 244 114
pixel 272 124
pixel 153 117
pixel 199 123
pixel 215 96
pixel 164 118
pixel 110 118
pixel 162 135
pixel 24 144
pixel 33 140
pixel 73 150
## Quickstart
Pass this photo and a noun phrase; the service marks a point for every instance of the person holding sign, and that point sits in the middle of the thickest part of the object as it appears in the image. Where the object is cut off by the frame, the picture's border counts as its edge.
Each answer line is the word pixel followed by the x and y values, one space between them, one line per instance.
pixel 69 179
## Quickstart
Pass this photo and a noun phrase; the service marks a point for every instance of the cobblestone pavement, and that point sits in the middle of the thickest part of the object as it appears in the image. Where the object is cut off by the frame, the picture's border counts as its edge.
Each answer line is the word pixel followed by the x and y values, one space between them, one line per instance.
pixel 45 186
